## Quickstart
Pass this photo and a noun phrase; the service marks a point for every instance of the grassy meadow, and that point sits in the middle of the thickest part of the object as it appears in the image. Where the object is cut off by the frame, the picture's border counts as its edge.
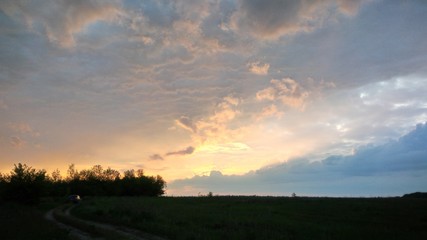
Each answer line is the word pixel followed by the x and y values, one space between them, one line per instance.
pixel 263 217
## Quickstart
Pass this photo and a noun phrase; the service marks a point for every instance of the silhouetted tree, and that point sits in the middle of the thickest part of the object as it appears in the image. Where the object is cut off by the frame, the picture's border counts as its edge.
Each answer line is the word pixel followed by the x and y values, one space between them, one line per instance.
pixel 73 174
pixel 130 174
pixel 26 185
pixel 140 173
pixel 56 176
pixel 4 181
pixel 111 174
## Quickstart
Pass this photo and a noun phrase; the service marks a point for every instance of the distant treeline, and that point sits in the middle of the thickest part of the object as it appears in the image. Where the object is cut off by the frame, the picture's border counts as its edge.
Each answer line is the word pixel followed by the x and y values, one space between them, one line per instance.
pixel 27 185
pixel 416 195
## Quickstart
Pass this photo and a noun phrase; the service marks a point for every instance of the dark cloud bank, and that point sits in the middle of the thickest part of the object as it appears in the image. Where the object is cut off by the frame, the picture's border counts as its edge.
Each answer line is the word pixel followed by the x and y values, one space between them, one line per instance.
pixel 391 169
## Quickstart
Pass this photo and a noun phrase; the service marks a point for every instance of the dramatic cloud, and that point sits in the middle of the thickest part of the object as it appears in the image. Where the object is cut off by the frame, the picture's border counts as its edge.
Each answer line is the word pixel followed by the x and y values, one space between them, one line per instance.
pixel 188 150
pixel 370 170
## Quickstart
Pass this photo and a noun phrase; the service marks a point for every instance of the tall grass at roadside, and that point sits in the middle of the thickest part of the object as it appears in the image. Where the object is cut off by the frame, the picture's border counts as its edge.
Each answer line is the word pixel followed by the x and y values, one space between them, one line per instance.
pixel 264 217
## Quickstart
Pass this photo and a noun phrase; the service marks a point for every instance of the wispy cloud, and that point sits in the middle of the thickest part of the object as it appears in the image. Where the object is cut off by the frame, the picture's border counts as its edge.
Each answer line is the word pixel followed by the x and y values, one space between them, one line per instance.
pixel 272 19
pixel 269 111
pixel 215 126
pixel 3 105
pixel 156 157
pixel 287 91
pixel 259 68
pixel 21 127
pixel 61 20
pixel 187 124
pixel 17 142
pixel 187 151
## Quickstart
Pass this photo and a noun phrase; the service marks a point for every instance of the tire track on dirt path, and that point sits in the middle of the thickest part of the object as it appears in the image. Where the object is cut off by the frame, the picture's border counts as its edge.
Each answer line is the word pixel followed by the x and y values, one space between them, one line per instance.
pixel 79 228
pixel 74 233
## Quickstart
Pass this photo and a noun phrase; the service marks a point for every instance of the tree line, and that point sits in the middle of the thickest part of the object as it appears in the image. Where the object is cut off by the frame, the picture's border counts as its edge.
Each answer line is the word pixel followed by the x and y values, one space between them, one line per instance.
pixel 25 184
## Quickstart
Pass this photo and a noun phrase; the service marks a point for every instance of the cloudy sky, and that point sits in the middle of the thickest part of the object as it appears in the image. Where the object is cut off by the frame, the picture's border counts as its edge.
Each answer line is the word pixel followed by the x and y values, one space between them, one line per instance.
pixel 231 96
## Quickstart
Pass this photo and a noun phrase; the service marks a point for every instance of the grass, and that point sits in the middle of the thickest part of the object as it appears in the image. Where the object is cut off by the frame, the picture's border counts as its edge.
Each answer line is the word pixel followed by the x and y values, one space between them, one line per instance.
pixel 263 217
pixel 27 222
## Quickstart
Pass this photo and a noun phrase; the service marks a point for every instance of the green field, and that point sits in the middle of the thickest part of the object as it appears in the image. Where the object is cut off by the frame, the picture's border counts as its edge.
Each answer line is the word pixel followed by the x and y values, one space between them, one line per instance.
pixel 263 217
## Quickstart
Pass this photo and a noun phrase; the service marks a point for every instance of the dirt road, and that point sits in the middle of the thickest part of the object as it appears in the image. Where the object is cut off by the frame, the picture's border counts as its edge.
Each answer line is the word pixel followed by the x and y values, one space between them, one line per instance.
pixel 80 229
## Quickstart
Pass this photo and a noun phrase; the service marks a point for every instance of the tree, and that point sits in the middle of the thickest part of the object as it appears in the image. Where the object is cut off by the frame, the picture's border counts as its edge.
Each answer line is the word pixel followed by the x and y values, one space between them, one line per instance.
pixel 129 174
pixel 26 185
pixel 140 173
pixel 56 176
pixel 111 174
pixel 4 181
pixel 73 174
pixel 97 172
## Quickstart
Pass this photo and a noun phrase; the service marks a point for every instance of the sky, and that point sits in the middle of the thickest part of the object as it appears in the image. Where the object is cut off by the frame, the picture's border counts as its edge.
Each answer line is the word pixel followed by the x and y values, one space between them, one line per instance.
pixel 253 97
